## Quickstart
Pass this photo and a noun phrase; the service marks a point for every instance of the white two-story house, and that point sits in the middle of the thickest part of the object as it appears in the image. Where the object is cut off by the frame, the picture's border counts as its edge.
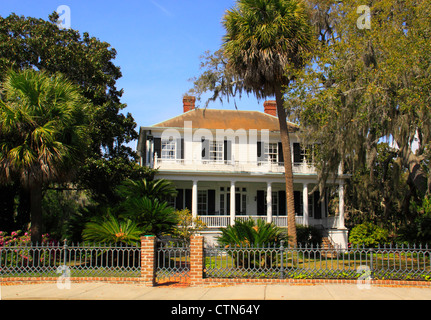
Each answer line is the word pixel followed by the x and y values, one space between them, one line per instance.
pixel 228 165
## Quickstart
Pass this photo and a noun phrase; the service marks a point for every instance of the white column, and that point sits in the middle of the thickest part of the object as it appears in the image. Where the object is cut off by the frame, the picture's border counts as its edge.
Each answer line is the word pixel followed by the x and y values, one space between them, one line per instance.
pixel 305 204
pixel 195 199
pixel 151 153
pixel 269 202
pixel 232 203
pixel 341 205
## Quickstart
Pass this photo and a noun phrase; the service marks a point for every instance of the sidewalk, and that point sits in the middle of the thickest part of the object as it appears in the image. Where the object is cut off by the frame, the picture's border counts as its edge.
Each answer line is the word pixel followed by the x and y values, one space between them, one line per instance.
pixel 103 291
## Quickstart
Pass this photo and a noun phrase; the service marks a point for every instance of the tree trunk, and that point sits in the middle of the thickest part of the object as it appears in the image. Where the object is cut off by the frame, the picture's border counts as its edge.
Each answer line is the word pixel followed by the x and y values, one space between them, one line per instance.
pixel 36 213
pixel 285 141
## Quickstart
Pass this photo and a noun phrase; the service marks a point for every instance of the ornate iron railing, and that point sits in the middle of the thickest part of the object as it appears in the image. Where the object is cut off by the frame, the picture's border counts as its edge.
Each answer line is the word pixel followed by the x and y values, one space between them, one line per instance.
pixel 302 262
pixel 80 260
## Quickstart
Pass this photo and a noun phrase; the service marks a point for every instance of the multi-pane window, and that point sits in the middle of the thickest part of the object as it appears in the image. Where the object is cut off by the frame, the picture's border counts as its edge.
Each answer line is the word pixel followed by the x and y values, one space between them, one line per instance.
pixel 168 149
pixel 274 203
pixel 310 205
pixel 240 201
pixel 244 203
pixel 202 202
pixel 271 152
pixel 216 150
pixel 307 154
pixel 222 204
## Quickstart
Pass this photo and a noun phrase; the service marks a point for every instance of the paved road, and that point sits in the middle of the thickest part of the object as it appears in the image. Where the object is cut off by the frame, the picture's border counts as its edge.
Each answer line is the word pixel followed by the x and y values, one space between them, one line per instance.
pixel 103 291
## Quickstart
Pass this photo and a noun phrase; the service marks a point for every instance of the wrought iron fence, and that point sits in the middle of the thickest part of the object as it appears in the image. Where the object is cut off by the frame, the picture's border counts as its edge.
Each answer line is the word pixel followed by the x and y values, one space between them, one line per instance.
pixel 172 260
pixel 308 262
pixel 80 260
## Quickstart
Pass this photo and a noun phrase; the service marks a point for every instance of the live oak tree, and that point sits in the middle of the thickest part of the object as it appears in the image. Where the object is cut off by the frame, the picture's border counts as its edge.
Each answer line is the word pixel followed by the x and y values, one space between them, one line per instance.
pixel 27 42
pixel 264 41
pixel 366 86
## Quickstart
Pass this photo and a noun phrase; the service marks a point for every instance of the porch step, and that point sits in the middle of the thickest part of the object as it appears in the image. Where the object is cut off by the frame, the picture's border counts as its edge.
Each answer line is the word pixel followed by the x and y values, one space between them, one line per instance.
pixel 328 249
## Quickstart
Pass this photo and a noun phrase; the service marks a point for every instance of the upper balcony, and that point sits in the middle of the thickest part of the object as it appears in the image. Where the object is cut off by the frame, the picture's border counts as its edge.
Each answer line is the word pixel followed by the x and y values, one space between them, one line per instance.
pixel 253 167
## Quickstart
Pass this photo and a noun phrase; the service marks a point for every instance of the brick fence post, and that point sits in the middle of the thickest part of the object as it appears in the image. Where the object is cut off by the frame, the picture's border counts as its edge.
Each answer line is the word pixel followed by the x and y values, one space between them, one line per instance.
pixel 148 260
pixel 197 262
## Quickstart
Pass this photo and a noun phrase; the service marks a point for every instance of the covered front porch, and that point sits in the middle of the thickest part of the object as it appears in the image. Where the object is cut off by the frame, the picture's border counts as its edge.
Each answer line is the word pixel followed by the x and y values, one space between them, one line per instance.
pixel 219 203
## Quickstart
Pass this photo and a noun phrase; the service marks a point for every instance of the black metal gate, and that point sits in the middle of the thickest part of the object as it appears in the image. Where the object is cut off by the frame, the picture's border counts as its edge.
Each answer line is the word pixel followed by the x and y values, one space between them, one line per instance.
pixel 172 261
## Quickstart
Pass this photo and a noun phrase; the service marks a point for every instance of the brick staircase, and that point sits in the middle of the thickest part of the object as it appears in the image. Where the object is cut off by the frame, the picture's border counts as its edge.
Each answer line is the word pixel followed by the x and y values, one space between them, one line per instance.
pixel 328 249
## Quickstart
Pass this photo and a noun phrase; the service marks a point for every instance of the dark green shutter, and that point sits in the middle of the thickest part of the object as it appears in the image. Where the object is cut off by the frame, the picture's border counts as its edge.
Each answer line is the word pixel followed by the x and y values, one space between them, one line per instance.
pixel 261 203
pixel 297 157
pixel 179 202
pixel 280 153
pixel 281 203
pixel 297 200
pixel 188 199
pixel 211 202
pixel 158 147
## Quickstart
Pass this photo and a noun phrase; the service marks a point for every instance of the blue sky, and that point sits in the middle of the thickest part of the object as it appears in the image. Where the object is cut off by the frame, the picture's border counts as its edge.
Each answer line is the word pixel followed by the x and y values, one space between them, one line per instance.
pixel 159 44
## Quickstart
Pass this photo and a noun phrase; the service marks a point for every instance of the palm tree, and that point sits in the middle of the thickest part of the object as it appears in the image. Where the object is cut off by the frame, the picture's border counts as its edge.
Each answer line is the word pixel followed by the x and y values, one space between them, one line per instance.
pixel 43 134
pixel 154 189
pixel 254 235
pixel 152 216
pixel 264 39
pixel 110 229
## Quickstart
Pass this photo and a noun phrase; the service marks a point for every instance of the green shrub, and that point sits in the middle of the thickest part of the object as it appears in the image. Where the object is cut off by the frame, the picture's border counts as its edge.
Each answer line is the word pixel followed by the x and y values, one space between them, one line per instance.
pixel 368 234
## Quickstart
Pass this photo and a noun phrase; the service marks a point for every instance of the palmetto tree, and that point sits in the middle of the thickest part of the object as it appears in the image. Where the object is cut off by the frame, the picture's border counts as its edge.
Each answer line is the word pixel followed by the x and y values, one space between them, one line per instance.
pixel 251 233
pixel 112 230
pixel 43 133
pixel 264 39
pixel 152 216
pixel 154 189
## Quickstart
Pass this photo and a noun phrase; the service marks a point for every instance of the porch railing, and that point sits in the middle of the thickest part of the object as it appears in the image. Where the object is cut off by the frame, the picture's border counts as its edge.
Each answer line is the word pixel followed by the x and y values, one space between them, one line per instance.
pixel 280 221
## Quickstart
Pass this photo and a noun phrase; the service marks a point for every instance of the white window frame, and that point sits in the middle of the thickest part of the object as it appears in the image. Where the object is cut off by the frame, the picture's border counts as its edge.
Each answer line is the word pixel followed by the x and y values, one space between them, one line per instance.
pixel 216 151
pixel 274 199
pixel 271 152
pixel 202 202
pixel 169 149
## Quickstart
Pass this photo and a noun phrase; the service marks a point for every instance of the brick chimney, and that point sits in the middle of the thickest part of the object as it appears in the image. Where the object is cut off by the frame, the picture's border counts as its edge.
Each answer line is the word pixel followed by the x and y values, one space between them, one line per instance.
pixel 189 103
pixel 271 107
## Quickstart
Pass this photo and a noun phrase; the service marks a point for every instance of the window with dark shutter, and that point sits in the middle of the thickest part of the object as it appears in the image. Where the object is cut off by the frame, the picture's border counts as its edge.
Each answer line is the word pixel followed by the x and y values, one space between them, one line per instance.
pixel 298 206
pixel 188 199
pixel 280 153
pixel 180 148
pixel 179 203
pixel 158 147
pixel 211 202
pixel 297 156
pixel 261 203
pixel 205 149
pixel 281 203
pixel 227 150
pixel 260 154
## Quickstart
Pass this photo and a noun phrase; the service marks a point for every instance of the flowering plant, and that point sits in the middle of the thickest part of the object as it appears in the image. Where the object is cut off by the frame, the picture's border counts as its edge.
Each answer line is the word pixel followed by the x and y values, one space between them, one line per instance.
pixel 21 253
pixel 16 238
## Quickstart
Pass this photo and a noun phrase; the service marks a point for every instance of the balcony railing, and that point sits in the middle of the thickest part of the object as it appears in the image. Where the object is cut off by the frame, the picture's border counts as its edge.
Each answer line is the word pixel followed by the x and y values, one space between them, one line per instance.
pixel 231 166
